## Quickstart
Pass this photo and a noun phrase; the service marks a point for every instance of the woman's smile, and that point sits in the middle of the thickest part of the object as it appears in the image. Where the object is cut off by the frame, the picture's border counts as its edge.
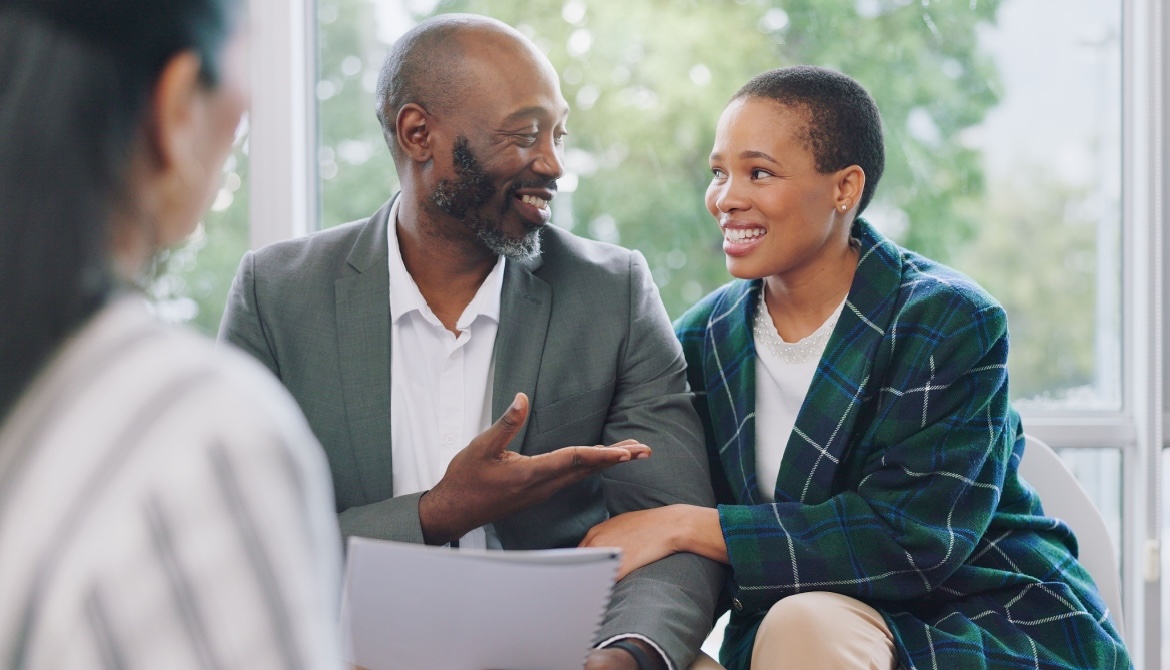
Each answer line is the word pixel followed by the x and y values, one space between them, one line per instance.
pixel 740 239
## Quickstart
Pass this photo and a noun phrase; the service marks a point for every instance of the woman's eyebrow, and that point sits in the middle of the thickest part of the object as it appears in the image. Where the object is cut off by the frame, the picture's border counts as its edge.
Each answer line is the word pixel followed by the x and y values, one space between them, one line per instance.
pixel 758 154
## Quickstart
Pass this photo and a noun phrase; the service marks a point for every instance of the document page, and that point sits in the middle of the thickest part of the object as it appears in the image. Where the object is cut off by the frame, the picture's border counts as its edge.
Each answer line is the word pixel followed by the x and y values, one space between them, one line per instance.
pixel 414 607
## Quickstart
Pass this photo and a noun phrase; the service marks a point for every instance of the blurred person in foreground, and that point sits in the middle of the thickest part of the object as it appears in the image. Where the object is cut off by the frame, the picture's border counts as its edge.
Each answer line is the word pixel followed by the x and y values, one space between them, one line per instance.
pixel 403 335
pixel 863 449
pixel 162 505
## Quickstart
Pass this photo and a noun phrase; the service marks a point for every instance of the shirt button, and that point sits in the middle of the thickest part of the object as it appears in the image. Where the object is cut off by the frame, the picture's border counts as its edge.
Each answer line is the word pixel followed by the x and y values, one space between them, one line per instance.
pixel 450 439
pixel 736 604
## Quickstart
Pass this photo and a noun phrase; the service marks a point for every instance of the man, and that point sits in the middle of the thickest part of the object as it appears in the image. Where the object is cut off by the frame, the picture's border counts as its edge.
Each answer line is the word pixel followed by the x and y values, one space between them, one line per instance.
pixel 402 336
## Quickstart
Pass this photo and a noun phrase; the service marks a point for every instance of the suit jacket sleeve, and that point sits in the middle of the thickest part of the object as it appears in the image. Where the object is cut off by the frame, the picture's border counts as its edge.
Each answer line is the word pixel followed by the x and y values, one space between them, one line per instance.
pixel 670 601
pixel 244 326
pixel 241 324
pixel 935 438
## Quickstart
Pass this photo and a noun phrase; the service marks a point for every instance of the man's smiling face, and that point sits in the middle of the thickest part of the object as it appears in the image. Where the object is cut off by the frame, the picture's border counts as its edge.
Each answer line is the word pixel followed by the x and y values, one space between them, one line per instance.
pixel 506 140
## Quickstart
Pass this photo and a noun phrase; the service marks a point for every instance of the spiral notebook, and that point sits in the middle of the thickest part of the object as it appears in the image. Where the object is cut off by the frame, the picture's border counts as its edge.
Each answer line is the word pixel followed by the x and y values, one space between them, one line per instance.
pixel 408 606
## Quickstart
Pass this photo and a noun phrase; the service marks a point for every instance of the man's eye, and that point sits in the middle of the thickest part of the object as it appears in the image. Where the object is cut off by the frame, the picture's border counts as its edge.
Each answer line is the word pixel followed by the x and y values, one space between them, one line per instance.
pixel 527 139
pixel 560 138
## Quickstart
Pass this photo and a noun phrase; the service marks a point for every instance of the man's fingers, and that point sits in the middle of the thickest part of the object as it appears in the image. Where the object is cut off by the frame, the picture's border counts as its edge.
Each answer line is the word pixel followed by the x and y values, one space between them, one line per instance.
pixel 499 434
pixel 574 463
pixel 602 457
pixel 514 417
pixel 638 451
pixel 636 448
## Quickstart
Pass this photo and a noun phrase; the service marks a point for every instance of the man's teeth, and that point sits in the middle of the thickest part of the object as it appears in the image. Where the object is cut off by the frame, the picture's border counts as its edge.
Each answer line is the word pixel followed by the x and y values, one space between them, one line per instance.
pixel 741 234
pixel 534 201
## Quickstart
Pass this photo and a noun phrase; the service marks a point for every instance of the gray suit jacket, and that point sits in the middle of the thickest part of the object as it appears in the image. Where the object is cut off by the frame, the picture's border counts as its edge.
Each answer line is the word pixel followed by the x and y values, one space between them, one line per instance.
pixel 582 332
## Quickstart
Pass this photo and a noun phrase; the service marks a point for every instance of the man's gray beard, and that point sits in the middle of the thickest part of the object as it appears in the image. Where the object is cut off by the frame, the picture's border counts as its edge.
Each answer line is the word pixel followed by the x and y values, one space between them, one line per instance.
pixel 521 249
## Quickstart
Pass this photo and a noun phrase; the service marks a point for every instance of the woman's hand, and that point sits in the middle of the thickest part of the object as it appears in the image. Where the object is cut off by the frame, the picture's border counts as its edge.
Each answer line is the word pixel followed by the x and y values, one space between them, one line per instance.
pixel 610 659
pixel 649 535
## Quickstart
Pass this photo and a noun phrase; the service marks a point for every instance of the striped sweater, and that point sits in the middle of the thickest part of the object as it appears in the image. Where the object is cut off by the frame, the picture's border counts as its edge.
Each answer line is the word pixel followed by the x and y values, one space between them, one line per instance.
pixel 162 505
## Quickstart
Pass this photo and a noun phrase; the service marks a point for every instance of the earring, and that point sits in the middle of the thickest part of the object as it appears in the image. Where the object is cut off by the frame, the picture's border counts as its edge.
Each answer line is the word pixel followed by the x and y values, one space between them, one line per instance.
pixel 844 206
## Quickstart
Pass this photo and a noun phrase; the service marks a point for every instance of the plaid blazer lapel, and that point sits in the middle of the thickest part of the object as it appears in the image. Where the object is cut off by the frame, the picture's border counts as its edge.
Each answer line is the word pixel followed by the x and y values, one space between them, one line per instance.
pixel 729 369
pixel 842 381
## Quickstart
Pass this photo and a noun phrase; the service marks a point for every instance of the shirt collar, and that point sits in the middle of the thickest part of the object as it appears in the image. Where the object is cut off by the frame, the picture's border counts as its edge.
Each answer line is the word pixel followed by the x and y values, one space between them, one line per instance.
pixel 405 296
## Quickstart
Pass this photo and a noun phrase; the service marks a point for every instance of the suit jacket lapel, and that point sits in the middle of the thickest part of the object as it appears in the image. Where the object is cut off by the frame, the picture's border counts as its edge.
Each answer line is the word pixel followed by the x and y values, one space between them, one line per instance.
pixel 729 369
pixel 363 340
pixel 824 426
pixel 525 308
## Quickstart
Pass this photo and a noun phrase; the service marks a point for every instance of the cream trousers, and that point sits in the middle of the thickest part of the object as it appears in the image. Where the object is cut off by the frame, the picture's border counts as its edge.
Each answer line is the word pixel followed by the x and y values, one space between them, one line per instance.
pixel 818 630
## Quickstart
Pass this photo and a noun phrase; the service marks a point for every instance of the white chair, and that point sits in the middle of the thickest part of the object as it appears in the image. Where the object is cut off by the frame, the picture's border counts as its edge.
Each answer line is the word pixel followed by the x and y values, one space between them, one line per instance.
pixel 715 639
pixel 1064 499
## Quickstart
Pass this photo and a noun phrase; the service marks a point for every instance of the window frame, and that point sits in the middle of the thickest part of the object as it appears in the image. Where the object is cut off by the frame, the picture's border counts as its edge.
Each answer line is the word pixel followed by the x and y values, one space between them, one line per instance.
pixel 285 204
pixel 282 146
pixel 1144 217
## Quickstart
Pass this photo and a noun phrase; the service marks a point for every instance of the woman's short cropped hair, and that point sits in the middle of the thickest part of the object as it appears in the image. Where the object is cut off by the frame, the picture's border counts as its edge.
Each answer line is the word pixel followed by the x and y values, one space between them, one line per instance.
pixel 844 126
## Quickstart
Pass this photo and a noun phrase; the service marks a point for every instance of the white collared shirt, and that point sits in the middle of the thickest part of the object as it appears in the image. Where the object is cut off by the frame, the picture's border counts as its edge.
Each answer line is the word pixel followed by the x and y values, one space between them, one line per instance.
pixel 440 384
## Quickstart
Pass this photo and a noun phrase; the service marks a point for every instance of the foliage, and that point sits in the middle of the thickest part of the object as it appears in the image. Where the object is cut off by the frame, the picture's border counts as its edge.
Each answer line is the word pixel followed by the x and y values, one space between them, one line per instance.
pixel 190 282
pixel 1037 253
pixel 357 174
pixel 647 81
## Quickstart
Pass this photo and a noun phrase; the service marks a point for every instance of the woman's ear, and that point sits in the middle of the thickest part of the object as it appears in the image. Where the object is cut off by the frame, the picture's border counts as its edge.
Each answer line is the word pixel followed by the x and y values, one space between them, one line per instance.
pixel 174 113
pixel 850 184
pixel 176 131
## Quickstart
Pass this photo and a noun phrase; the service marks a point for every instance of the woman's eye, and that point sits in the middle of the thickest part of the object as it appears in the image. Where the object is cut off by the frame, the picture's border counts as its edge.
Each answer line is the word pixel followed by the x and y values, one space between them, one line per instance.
pixel 759 174
pixel 716 173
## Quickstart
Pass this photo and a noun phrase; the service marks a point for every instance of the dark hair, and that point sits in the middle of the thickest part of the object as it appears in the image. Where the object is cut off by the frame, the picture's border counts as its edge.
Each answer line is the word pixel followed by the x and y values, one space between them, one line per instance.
pixel 844 126
pixel 75 80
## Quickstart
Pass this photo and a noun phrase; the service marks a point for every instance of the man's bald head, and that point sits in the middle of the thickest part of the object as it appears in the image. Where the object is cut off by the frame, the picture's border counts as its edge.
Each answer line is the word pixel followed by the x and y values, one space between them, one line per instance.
pixel 427 66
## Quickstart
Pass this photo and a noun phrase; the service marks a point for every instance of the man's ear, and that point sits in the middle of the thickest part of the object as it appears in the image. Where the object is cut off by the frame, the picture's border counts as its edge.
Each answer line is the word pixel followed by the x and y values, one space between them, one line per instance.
pixel 412 130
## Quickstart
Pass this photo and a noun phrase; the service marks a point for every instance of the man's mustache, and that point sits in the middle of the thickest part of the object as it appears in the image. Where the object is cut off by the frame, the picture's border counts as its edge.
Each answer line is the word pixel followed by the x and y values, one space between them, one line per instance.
pixel 550 184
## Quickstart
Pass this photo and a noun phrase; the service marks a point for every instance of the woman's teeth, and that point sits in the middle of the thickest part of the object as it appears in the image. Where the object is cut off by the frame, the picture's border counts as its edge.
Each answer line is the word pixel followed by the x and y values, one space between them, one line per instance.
pixel 742 234
pixel 534 201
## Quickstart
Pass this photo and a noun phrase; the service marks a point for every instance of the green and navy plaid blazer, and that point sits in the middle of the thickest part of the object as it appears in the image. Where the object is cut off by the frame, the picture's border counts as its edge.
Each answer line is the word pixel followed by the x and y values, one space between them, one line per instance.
pixel 898 485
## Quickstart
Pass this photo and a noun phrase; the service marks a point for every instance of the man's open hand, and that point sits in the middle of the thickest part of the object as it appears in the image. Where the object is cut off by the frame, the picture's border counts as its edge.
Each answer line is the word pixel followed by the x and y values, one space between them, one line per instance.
pixel 486 482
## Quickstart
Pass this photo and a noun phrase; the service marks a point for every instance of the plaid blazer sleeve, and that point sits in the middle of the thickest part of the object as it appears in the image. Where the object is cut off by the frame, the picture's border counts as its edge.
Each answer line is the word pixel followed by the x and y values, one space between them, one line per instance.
pixel 926 461
pixel 690 329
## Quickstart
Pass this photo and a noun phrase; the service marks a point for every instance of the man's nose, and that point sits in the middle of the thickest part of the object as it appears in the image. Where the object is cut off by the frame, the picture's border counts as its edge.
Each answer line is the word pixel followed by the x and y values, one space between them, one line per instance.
pixel 550 160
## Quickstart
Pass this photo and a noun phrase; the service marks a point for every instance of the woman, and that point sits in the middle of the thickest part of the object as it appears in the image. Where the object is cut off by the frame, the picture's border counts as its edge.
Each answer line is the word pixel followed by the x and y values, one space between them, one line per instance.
pixel 162 505
pixel 860 437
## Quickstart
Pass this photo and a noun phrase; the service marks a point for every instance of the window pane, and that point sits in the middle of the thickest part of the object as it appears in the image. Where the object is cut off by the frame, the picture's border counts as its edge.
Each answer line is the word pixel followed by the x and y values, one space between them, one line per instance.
pixel 1099 472
pixel 1047 235
pixel 357 175
pixel 1165 558
pixel 1002 124
pixel 191 281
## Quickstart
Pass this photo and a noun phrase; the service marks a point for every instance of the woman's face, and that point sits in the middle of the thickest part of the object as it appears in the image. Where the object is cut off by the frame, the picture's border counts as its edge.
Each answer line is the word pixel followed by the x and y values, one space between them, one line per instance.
pixel 778 214
pixel 176 168
pixel 220 110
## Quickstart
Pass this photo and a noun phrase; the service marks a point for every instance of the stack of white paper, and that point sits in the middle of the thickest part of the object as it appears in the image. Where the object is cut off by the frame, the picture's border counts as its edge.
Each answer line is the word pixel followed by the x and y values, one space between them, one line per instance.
pixel 413 607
